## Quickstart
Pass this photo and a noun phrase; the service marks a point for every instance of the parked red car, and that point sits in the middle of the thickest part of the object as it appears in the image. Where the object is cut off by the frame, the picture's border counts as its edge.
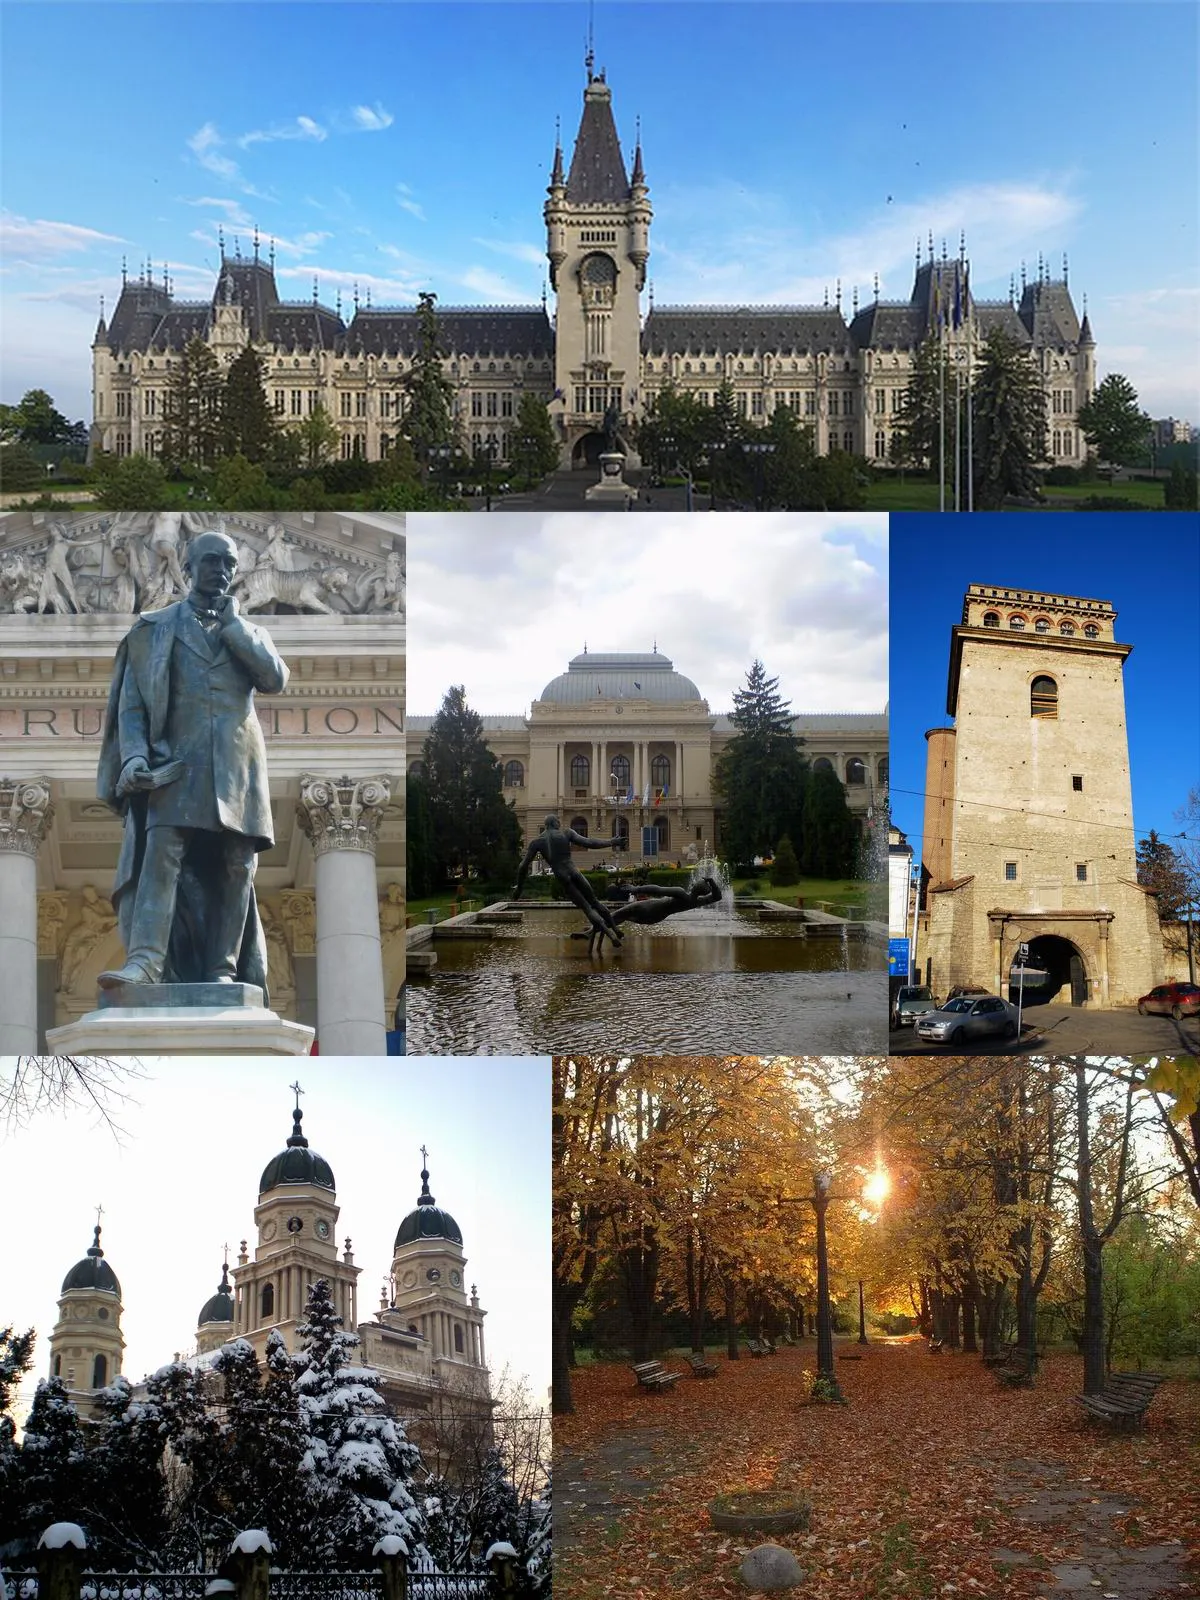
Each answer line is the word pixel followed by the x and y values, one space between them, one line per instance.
pixel 1179 1000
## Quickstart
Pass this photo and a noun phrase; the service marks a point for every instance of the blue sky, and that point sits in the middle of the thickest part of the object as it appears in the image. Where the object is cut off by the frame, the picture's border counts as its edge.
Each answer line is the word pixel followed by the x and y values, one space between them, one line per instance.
pixel 1147 566
pixel 405 146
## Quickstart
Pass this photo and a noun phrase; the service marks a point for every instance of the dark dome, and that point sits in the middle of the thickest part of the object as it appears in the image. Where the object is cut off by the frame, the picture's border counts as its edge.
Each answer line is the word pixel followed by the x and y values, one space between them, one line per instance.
pixel 220 1307
pixel 428 1221
pixel 297 1164
pixel 93 1272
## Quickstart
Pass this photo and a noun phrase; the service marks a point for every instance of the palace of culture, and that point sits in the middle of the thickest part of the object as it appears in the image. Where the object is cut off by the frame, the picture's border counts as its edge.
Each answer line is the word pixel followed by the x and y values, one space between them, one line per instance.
pixel 599 353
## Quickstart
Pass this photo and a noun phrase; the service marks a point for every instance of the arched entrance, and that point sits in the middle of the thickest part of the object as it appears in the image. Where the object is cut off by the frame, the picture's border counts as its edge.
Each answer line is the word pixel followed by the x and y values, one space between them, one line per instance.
pixel 1066 974
pixel 588 448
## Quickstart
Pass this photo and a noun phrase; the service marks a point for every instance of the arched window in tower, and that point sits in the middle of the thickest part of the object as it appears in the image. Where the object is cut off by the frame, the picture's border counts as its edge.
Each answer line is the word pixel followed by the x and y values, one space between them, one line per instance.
pixel 58 1366
pixel 1091 631
pixel 1041 626
pixel 822 764
pixel 581 772
pixel 619 772
pixel 882 770
pixel 514 775
pixel 458 1339
pixel 1017 623
pixel 267 1302
pixel 100 1372
pixel 1067 629
pixel 991 619
pixel 856 772
pixel 660 772
pixel 1043 698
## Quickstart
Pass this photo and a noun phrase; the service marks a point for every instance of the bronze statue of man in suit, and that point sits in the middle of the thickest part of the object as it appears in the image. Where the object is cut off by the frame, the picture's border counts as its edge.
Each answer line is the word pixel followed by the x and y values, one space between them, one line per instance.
pixel 183 761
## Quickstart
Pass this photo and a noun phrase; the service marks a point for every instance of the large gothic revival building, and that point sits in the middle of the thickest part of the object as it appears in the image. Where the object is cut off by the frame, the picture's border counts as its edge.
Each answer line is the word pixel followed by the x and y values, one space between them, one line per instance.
pixel 601 354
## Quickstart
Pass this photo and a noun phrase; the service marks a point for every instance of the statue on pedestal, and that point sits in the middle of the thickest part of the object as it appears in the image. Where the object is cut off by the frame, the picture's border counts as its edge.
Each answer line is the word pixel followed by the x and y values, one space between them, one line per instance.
pixel 183 761
pixel 649 903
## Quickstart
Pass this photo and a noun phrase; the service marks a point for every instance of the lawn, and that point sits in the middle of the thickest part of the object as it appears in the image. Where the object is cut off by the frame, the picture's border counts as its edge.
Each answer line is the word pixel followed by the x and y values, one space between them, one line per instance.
pixel 918 494
pixel 933 1480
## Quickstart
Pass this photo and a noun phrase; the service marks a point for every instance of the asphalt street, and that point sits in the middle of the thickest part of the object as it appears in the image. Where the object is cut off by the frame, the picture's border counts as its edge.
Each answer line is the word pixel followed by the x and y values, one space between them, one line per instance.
pixel 1068 1031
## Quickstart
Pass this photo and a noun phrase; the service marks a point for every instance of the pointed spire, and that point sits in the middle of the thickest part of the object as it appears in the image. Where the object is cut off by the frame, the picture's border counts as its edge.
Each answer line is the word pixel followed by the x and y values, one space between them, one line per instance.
pixel 918 253
pixel 827 297
pixel 943 247
pixel 1022 278
pixel 271 256
pixel 338 300
pixel 94 1249
pixel 651 294
pixel 224 1287
pixel 1066 278
pixel 315 291
pixel 556 172
pixel 854 300
pixel 876 288
pixel 297 1139
pixel 356 297
pixel 1012 288
pixel 838 294
pixel 221 239
pixel 256 243
pixel 931 246
pixel 425 1198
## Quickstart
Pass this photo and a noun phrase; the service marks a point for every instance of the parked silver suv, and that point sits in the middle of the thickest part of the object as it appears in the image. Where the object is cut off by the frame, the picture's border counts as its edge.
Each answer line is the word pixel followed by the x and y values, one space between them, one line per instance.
pixel 970 1016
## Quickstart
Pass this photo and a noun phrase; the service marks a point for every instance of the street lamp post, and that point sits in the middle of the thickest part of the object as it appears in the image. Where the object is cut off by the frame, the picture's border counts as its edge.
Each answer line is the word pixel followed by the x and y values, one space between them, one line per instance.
pixel 826 1376
pixel 862 1315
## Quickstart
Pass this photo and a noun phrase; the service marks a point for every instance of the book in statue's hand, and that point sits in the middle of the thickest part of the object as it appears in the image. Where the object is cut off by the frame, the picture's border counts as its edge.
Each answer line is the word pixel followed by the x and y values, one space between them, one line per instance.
pixel 159 777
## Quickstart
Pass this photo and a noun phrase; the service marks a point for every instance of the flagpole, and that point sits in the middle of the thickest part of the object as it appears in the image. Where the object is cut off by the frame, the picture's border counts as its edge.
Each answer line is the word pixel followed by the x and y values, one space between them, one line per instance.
pixel 957 443
pixel 970 433
pixel 941 420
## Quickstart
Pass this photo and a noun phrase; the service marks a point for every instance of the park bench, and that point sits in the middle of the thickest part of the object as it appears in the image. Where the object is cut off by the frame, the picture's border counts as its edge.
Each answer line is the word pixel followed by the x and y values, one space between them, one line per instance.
pixel 936 1346
pixel 769 1346
pixel 1016 1370
pixel 1123 1400
pixel 700 1367
pixel 755 1347
pixel 653 1375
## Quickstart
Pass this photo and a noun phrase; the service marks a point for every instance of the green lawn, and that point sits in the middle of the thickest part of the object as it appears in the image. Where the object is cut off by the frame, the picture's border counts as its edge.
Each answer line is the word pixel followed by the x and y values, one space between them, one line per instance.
pixel 918 494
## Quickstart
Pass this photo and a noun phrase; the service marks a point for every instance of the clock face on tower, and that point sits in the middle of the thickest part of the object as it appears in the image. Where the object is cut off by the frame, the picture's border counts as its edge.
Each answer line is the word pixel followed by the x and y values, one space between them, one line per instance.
pixel 321 1228
pixel 434 1274
pixel 268 1228
pixel 456 1278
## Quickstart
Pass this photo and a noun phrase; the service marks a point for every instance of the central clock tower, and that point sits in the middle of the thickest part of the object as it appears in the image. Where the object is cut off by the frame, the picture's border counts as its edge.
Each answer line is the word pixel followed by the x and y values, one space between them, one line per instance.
pixel 296 1220
pixel 598 243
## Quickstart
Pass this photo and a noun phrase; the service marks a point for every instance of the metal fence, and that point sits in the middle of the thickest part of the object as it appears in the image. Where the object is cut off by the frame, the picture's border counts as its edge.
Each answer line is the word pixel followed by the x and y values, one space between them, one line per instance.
pixel 325 1586
pixel 19 1585
pixel 144 1586
pixel 284 1586
pixel 447 1585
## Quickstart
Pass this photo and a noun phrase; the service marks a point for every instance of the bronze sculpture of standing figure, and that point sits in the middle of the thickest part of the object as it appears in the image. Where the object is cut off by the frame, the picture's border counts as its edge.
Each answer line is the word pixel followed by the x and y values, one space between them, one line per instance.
pixel 553 844
pixel 183 761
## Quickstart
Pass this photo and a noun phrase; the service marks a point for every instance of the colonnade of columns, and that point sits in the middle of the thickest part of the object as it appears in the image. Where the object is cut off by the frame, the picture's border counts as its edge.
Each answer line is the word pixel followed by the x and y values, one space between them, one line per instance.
pixel 291 1282
pixel 26 813
pixel 600 766
pixel 438 1328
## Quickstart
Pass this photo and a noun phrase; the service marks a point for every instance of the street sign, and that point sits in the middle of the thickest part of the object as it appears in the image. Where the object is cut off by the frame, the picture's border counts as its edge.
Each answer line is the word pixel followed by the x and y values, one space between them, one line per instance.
pixel 1022 954
pixel 897 958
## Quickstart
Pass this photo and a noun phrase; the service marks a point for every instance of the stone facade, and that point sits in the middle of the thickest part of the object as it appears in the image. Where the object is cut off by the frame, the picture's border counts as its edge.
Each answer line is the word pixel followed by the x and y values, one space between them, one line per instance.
pixel 1028 816
pixel 86 1343
pixel 843 375
pixel 330 590
pixel 626 742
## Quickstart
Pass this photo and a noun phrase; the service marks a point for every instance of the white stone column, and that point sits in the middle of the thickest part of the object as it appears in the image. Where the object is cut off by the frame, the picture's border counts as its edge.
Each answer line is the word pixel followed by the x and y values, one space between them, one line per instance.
pixel 341 818
pixel 597 759
pixel 560 788
pixel 26 812
pixel 677 774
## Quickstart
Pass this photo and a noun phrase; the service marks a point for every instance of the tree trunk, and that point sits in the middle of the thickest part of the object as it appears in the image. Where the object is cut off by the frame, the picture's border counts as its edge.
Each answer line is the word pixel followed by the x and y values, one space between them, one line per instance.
pixel 969 1345
pixel 731 1332
pixel 639 1270
pixel 561 1403
pixel 953 1338
pixel 1093 1316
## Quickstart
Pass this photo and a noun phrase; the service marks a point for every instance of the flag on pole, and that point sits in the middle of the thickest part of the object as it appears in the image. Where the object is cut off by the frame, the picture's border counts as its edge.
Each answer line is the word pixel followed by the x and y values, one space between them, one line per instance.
pixel 646 795
pixel 629 795
pixel 958 309
pixel 966 290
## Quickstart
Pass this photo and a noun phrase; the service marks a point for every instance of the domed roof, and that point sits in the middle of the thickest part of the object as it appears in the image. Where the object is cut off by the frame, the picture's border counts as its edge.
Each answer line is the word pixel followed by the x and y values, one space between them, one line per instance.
pixel 620 677
pixel 220 1307
pixel 93 1272
pixel 297 1164
pixel 428 1221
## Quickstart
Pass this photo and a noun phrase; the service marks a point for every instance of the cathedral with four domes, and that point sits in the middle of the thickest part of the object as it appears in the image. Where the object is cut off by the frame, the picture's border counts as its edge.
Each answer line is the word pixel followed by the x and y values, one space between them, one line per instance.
pixel 425 1339
pixel 606 352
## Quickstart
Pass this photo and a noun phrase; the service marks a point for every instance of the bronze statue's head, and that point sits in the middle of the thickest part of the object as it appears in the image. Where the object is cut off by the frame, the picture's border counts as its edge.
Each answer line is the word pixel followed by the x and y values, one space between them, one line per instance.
pixel 551 823
pixel 212 562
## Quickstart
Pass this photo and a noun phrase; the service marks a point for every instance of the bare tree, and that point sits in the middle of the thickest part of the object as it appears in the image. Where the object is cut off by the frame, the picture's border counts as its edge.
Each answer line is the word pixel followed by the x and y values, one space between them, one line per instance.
pixel 30 1086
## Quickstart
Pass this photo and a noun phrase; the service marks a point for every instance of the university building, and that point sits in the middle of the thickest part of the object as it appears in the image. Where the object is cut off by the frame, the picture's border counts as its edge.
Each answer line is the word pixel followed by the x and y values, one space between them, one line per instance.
pixel 608 348
pixel 1028 831
pixel 425 1339
pixel 329 588
pixel 624 743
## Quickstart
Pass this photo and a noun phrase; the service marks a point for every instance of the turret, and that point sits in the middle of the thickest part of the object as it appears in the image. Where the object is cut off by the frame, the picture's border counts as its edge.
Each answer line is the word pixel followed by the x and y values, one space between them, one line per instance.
pixel 555 212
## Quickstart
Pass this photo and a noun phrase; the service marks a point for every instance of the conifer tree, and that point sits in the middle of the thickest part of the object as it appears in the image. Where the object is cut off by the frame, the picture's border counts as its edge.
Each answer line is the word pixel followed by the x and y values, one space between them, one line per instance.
pixel 192 421
pixel 916 435
pixel 127 1486
pixel 534 447
pixel 357 1458
pixel 475 831
pixel 428 414
pixel 52 1482
pixel 185 1423
pixel 248 425
pixel 760 775
pixel 16 1357
pixel 1010 435
pixel 830 838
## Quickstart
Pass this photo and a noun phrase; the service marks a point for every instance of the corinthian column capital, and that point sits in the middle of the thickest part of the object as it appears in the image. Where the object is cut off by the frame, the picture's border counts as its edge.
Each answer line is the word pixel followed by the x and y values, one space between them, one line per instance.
pixel 26 812
pixel 342 813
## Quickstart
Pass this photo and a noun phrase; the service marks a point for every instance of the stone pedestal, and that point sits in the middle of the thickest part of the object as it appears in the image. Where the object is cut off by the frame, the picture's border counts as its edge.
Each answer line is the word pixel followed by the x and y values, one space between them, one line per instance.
pixel 26 812
pixel 612 492
pixel 184 1019
pixel 341 818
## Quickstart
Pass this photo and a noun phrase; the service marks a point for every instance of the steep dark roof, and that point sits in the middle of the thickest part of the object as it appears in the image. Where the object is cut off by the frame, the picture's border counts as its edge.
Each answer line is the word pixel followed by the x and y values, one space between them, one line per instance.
pixel 93 1272
pixel 304 327
pixel 888 325
pixel 993 314
pixel 1048 314
pixel 253 289
pixel 180 326
pixel 297 1163
pixel 219 1308
pixel 522 331
pixel 715 330
pixel 597 175
pixel 140 309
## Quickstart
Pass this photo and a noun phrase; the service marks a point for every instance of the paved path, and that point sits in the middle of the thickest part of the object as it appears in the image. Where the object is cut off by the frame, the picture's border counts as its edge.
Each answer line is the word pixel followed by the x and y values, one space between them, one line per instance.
pixel 1042 1494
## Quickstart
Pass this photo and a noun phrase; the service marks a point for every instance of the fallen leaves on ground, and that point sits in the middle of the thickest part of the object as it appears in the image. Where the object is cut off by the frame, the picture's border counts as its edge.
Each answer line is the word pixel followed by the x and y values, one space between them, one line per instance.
pixel 914 1484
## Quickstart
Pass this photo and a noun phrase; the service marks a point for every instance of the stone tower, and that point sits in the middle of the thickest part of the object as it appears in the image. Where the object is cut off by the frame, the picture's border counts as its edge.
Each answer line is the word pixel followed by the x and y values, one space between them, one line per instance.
pixel 1029 814
pixel 296 1218
pixel 429 1291
pixel 86 1344
pixel 214 1325
pixel 598 242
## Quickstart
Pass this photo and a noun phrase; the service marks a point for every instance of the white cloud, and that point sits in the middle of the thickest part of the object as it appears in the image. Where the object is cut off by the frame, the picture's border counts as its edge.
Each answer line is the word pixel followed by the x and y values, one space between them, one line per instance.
pixel 490 286
pixel 515 249
pixel 1153 338
pixel 299 128
pixel 205 144
pixel 235 213
pixel 406 203
pixel 370 119
pixel 39 240
pixel 383 289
